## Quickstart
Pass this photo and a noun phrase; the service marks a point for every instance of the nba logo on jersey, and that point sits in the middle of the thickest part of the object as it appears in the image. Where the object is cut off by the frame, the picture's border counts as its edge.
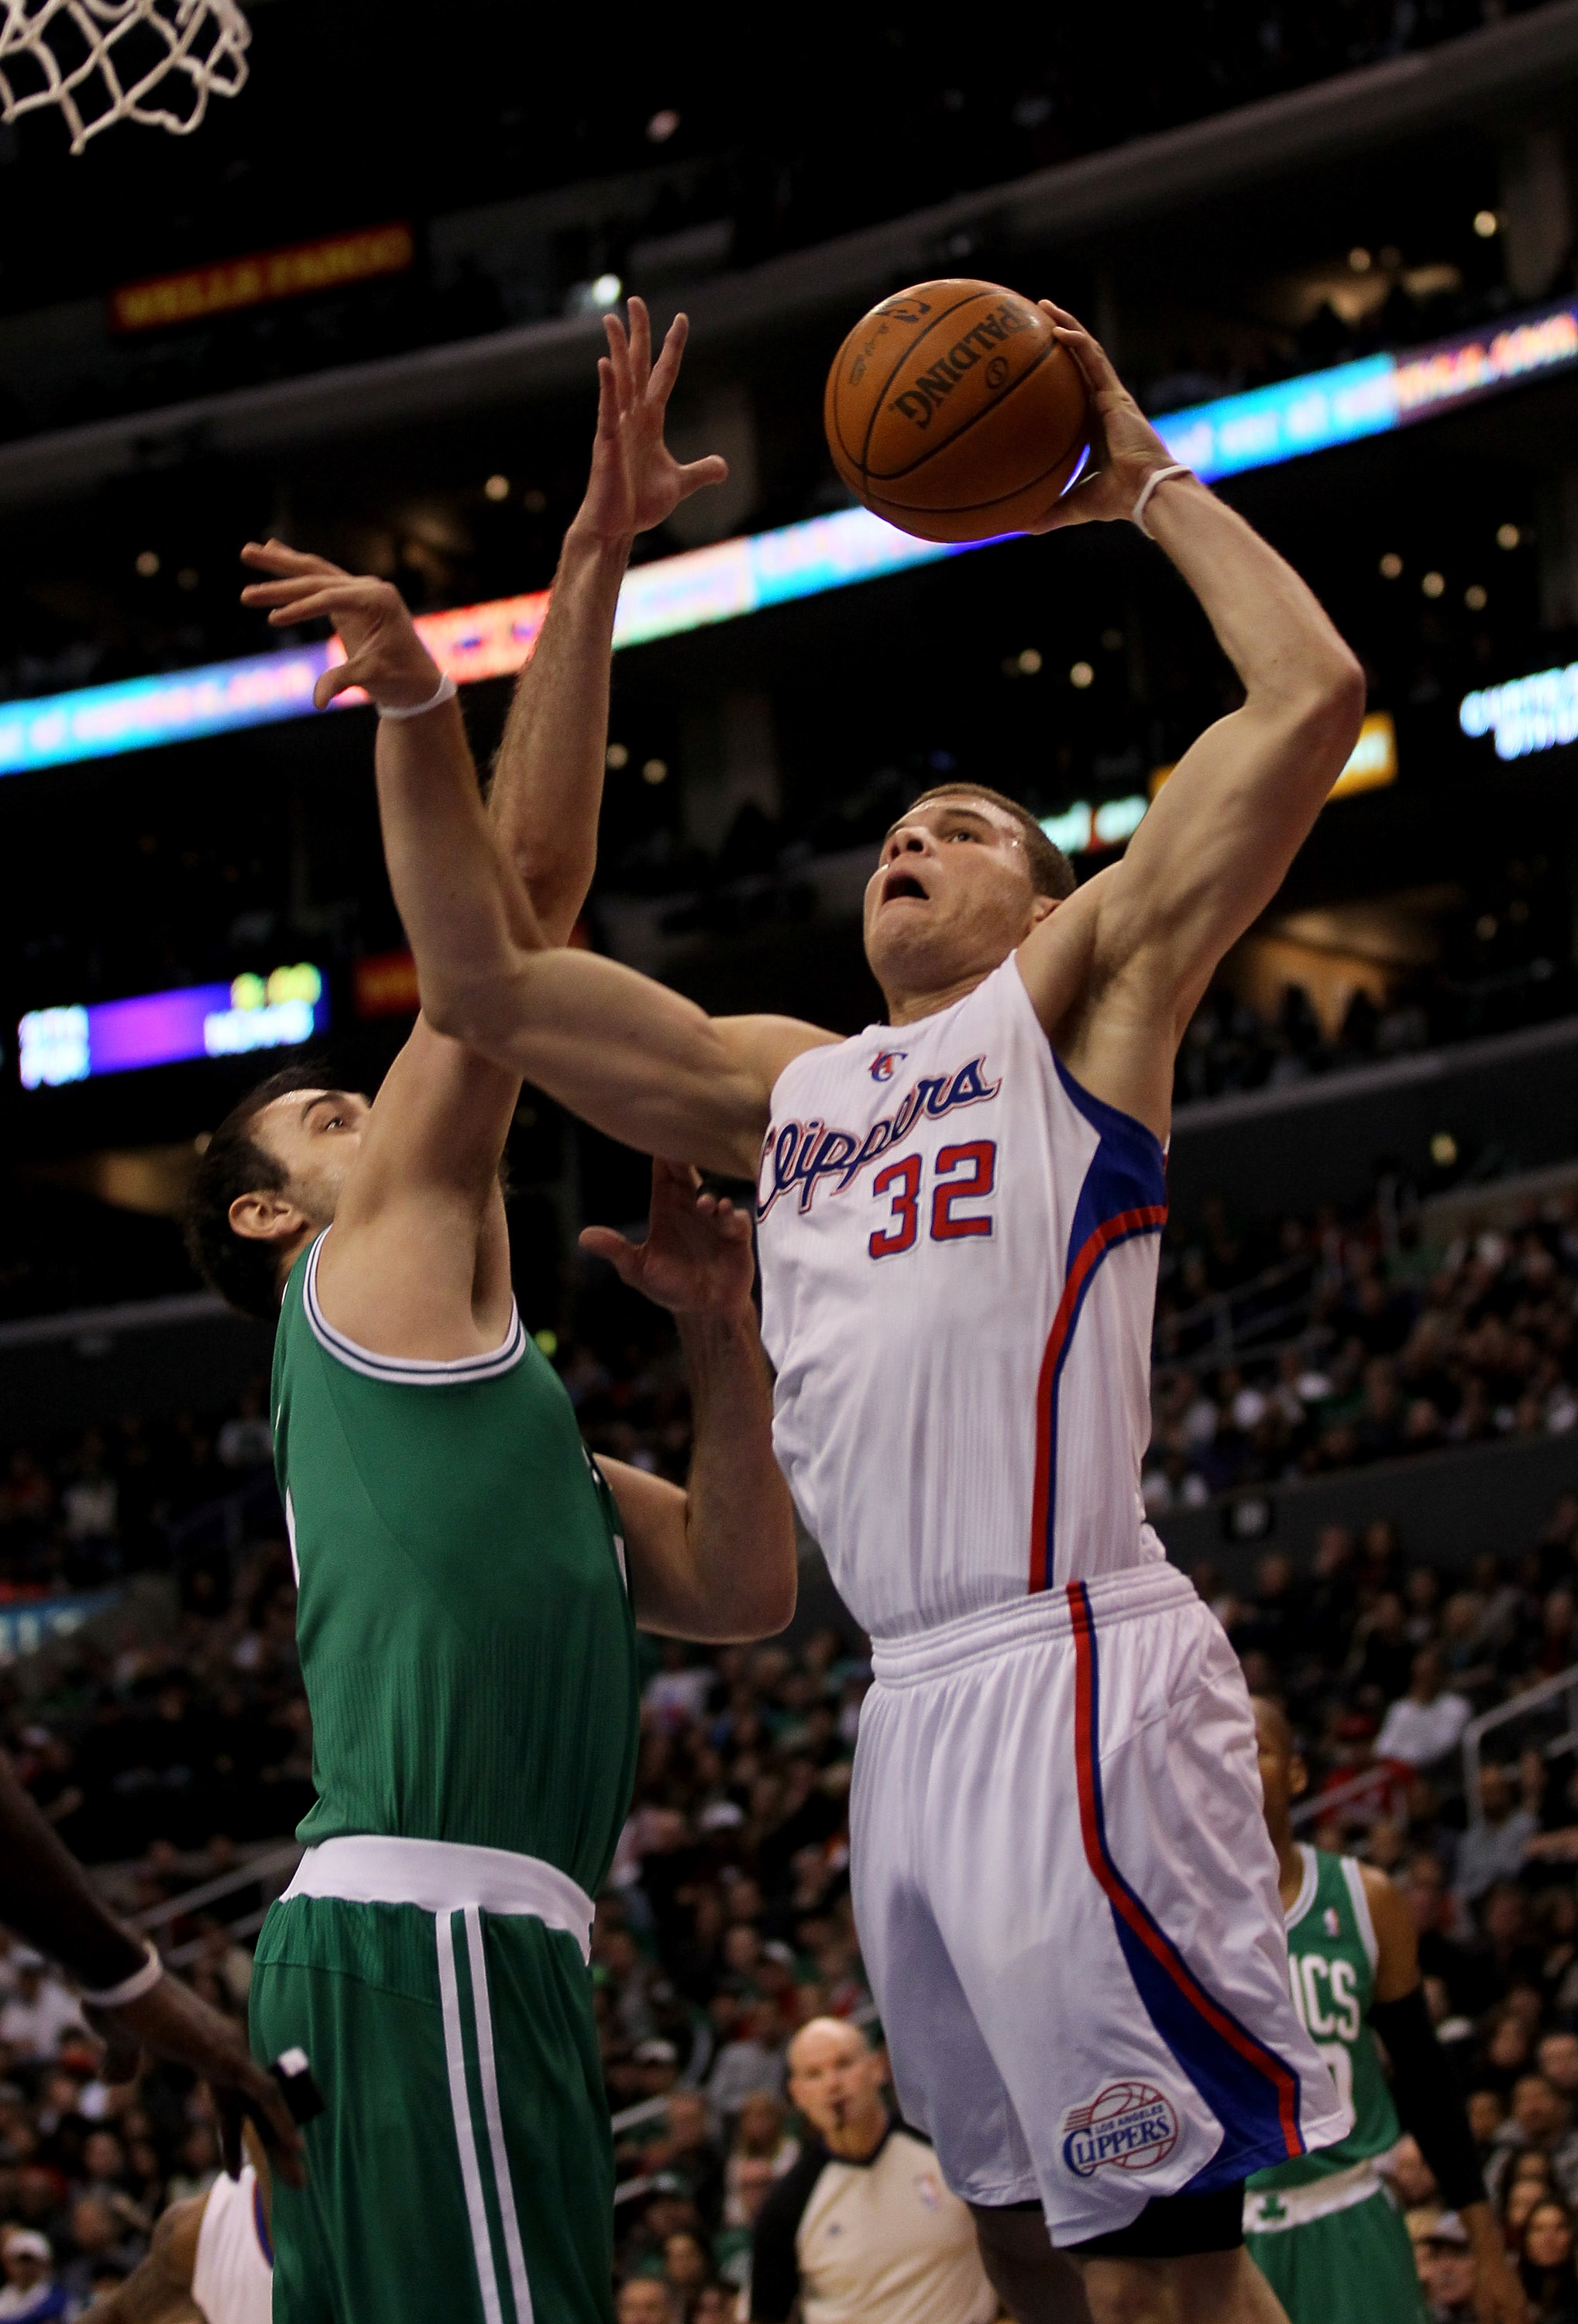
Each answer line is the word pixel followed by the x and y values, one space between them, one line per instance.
pixel 884 1065
pixel 1129 2124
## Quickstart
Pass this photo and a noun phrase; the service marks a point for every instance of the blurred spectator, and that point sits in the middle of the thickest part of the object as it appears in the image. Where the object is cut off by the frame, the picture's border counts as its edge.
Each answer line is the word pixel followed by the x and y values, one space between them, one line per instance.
pixel 38 2012
pixel 1421 1726
pixel 1493 1849
pixel 1540 2124
pixel 30 2294
pixel 1547 2270
pixel 1446 2264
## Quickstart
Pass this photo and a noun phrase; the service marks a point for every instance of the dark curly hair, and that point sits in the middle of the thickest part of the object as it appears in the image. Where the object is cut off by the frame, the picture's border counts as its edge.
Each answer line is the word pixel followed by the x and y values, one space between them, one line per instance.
pixel 244 1272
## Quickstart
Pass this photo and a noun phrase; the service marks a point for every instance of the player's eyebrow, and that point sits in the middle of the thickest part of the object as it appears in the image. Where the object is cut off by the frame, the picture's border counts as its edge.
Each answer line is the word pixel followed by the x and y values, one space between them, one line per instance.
pixel 944 808
pixel 318 1097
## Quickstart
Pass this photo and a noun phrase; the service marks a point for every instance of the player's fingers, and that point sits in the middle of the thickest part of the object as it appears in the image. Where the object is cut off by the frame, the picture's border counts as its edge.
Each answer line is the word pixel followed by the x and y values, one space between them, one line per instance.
pixel 287 589
pixel 273 556
pixel 618 352
pixel 1095 369
pixel 603 1242
pixel 261 2098
pixel 228 2107
pixel 641 343
pixel 697 474
pixel 329 604
pixel 665 370
pixel 339 678
pixel 607 398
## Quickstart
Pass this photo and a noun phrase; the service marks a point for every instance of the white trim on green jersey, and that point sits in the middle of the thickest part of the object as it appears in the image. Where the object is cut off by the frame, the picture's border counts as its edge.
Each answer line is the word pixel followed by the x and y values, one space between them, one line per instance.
pixel 408 1371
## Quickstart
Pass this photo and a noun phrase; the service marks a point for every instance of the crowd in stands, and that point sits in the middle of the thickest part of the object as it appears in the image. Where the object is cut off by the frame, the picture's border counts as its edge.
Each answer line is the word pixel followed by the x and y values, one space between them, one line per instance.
pixel 1305 1346
pixel 170 1734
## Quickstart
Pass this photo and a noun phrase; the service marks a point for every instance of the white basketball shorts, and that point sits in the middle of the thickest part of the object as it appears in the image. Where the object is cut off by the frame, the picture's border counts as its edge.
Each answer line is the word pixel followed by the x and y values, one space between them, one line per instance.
pixel 1067 1900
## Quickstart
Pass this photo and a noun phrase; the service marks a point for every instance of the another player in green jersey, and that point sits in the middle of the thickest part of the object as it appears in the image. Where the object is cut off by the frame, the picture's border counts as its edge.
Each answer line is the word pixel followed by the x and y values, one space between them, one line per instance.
pixel 1324 2229
pixel 469 1579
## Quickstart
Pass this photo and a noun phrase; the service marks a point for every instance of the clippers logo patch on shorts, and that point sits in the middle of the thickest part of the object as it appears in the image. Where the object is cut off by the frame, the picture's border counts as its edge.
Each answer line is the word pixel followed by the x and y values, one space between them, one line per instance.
pixel 1130 2124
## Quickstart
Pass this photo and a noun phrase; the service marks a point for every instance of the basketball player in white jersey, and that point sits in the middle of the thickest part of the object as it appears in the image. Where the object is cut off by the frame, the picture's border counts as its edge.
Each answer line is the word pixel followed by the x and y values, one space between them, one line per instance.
pixel 1066 1899
pixel 211 2262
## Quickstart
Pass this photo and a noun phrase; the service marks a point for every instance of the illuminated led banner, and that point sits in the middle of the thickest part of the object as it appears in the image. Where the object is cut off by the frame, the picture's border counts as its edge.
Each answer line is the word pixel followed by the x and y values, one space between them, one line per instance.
pixel 1267 425
pixel 75 1043
pixel 306 266
pixel 1257 430
pixel 1527 713
pixel 660 600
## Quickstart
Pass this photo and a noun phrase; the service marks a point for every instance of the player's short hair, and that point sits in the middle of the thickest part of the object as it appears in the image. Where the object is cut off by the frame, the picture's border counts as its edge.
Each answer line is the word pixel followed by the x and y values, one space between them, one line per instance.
pixel 1051 872
pixel 245 1273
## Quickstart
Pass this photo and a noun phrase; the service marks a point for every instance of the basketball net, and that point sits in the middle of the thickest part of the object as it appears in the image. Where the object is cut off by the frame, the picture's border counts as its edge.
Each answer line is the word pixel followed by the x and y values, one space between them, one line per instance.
pixel 156 63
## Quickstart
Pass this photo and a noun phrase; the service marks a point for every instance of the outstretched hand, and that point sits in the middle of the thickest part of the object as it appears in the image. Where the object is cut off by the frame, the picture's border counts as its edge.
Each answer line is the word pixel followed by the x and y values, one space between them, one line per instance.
pixel 1125 448
pixel 636 482
pixel 696 1259
pixel 383 653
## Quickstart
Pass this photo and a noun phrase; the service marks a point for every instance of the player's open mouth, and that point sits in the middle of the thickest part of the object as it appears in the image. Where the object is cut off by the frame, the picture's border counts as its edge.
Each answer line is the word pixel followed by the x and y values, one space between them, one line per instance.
pixel 903 884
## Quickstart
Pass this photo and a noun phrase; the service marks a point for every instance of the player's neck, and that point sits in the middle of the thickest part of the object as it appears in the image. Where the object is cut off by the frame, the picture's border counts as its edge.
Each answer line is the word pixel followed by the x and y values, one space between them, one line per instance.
pixel 910 1008
pixel 1289 1866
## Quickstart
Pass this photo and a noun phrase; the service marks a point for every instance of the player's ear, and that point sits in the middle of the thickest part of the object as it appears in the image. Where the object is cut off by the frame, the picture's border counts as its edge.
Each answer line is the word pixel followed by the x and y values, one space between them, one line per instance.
pixel 1042 908
pixel 265 1216
pixel 1298 1777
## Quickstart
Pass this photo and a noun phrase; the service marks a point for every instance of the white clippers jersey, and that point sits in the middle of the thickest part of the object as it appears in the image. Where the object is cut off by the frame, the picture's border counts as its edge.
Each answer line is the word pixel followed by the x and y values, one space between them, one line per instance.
pixel 233 2280
pixel 958 1250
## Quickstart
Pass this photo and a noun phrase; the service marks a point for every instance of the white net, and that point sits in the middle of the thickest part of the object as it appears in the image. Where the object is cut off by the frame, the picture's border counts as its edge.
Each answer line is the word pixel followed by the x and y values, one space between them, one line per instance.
pixel 156 63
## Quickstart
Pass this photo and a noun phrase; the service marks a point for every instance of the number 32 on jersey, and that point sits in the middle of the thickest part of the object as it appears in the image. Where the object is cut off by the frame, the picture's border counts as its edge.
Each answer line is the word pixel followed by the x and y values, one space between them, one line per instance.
pixel 961 1176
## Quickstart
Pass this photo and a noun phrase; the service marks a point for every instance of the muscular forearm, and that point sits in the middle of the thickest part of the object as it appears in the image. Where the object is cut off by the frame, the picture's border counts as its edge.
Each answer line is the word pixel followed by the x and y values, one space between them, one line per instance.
pixel 548 777
pixel 631 1058
pixel 740 1528
pixel 468 920
pixel 46 1897
pixel 1269 623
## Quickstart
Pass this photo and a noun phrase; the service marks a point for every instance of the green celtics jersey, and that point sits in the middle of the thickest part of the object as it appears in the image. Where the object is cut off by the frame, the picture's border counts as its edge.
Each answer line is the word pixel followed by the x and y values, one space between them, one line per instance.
pixel 1330 1958
pixel 463 1619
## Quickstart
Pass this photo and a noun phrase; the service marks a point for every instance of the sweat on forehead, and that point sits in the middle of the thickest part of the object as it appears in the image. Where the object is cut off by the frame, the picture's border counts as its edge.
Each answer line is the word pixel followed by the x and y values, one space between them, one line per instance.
pixel 979 810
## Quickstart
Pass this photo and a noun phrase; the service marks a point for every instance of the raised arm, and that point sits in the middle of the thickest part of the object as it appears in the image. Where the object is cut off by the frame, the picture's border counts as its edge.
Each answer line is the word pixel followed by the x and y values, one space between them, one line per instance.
pixel 548 775
pixel 1117 970
pixel 627 1055
pixel 716 1561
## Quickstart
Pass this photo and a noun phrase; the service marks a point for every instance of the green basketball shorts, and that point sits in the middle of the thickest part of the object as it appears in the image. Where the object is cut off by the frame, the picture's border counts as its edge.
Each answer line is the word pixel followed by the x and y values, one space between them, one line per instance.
pixel 1352 2266
pixel 463 2168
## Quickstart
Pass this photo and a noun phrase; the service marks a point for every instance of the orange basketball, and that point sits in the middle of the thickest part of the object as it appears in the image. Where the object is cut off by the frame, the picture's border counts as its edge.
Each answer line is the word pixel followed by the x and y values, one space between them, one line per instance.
pixel 952 411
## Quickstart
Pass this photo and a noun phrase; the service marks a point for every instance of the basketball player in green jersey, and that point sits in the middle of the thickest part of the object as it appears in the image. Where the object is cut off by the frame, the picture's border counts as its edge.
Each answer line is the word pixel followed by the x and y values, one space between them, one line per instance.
pixel 468 1582
pixel 1323 2229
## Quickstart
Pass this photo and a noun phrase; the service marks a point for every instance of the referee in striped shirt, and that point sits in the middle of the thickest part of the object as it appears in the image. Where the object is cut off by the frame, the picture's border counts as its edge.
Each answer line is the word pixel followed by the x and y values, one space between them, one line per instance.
pixel 862 2230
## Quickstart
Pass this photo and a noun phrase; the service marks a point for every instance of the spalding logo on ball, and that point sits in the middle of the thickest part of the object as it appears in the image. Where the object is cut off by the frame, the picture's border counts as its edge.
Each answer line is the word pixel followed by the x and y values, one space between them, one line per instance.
pixel 954 412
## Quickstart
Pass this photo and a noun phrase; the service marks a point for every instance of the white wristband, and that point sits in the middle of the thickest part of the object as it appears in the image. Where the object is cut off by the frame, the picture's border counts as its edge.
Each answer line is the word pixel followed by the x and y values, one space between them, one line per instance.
pixel 445 692
pixel 1157 476
pixel 129 1989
